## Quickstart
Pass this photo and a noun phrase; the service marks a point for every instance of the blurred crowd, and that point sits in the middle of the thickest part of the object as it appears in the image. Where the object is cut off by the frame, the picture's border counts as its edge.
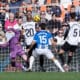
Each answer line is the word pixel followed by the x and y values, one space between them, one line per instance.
pixel 30 8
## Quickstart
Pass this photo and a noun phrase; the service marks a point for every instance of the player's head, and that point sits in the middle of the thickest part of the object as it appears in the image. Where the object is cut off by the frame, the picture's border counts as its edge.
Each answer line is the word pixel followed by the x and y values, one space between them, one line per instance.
pixel 42 26
pixel 72 12
pixel 72 9
pixel 20 20
pixel 72 15
pixel 29 16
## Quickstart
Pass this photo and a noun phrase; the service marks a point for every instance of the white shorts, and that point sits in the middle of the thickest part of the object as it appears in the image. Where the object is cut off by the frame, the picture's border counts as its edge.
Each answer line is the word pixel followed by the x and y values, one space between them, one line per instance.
pixel 45 52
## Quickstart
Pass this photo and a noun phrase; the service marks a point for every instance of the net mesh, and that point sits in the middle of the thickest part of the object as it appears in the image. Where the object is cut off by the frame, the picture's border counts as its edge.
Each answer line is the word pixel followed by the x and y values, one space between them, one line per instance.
pixel 49 66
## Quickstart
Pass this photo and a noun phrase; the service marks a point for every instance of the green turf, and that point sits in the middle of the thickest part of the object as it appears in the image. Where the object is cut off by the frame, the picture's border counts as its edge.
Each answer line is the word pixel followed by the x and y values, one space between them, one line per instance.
pixel 39 76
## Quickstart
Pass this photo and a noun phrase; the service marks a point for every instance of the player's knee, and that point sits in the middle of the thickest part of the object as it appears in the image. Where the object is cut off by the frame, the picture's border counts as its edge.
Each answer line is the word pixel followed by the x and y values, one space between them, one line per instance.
pixel 13 63
pixel 70 54
pixel 24 57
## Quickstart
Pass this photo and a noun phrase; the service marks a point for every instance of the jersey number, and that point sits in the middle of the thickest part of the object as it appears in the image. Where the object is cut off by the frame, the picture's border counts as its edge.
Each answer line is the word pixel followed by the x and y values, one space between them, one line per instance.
pixel 76 33
pixel 29 32
pixel 43 39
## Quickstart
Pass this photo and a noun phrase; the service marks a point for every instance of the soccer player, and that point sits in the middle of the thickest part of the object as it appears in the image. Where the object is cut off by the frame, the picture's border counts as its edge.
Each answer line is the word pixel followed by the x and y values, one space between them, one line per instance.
pixel 42 39
pixel 71 40
pixel 15 46
pixel 28 32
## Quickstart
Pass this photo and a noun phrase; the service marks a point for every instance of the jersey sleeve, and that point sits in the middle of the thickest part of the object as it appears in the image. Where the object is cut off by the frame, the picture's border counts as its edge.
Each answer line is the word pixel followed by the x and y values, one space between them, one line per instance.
pixel 66 32
pixel 50 35
pixel 35 38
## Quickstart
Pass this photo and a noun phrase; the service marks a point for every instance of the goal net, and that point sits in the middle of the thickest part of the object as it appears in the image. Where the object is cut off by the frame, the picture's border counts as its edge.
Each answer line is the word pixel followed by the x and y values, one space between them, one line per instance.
pixel 49 66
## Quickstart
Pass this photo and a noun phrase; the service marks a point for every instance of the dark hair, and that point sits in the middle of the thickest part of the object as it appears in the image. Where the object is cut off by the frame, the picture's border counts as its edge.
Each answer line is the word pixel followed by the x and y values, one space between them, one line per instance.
pixel 42 26
pixel 29 11
pixel 53 14
pixel 72 15
pixel 72 6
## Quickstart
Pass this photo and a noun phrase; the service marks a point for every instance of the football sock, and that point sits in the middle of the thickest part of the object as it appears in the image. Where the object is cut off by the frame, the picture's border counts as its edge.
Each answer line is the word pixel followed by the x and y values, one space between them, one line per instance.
pixel 41 60
pixel 62 58
pixel 69 60
pixel 27 64
pixel 59 65
pixel 13 63
pixel 31 62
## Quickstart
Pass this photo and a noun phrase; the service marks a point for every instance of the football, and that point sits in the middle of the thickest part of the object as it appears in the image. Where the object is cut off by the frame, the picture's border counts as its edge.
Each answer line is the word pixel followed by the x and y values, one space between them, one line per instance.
pixel 36 18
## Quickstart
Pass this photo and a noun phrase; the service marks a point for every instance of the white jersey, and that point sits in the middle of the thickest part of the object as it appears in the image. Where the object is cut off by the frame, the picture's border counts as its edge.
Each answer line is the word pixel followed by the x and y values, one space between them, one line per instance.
pixel 29 28
pixel 60 40
pixel 74 33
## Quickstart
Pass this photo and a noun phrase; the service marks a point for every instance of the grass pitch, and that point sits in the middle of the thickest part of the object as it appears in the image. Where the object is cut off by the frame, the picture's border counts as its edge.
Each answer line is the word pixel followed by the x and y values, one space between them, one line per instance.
pixel 39 76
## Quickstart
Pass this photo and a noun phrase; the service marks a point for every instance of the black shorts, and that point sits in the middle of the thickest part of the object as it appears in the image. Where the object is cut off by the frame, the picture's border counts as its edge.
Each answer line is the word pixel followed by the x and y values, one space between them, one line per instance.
pixel 68 47
pixel 30 52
